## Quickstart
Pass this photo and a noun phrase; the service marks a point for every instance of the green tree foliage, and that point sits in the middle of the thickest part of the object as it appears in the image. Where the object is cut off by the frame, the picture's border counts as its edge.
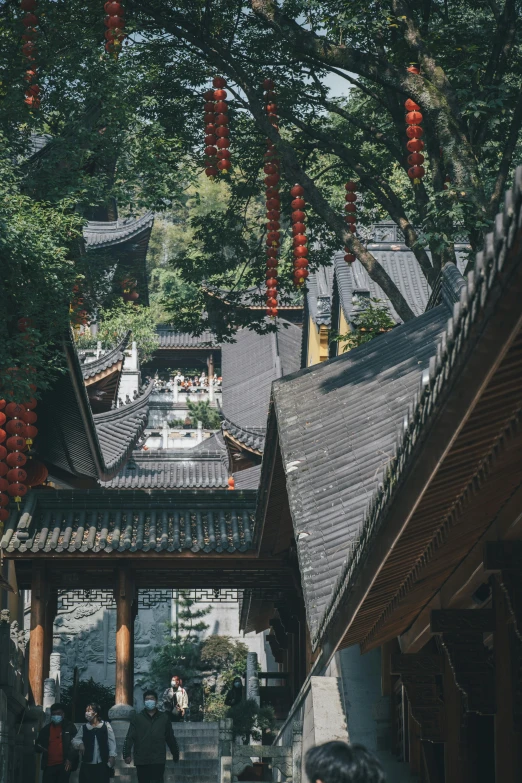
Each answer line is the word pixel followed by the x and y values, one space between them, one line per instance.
pixel 133 130
pixel 115 322
pixel 88 692
pixel 249 721
pixel 372 320
pixel 224 656
pixel 201 411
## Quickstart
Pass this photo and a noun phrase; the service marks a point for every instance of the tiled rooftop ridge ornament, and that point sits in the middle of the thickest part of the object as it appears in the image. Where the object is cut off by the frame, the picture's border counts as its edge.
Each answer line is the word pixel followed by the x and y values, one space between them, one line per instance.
pixel 414 132
pixel 273 203
pixel 115 24
pixel 350 216
pixel 30 51
pixel 300 239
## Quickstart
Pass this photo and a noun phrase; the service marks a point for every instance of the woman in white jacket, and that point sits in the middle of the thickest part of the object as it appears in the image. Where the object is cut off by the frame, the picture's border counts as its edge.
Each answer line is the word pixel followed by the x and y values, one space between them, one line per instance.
pixel 97 744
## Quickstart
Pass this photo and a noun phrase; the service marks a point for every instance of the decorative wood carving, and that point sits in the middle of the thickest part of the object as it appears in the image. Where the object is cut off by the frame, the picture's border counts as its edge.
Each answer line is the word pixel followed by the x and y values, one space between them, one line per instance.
pixel 418 673
pixel 462 636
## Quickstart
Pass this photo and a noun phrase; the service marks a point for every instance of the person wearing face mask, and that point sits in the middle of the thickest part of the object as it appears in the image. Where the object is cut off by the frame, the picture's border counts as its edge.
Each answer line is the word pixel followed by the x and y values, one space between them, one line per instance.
pixel 235 693
pixel 96 742
pixel 149 732
pixel 54 742
pixel 175 700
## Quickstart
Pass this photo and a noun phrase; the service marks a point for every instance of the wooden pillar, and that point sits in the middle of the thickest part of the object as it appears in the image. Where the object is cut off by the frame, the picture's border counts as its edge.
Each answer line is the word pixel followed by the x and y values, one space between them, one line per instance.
pixel 124 595
pixel 508 767
pixel 455 750
pixel 37 634
pixel 210 365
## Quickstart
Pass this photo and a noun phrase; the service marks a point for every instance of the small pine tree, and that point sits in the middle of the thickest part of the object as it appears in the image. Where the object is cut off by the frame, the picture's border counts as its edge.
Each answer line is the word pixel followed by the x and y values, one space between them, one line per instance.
pixel 201 411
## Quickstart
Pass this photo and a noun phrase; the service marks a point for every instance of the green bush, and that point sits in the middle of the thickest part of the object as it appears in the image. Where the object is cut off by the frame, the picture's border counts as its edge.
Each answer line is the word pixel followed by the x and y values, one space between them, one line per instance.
pixel 87 692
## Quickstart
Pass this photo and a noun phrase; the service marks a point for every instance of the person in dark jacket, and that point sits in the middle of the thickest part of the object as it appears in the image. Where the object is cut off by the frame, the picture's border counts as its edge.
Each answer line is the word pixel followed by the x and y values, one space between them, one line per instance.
pixel 235 693
pixel 54 742
pixel 149 732
pixel 338 762
pixel 96 741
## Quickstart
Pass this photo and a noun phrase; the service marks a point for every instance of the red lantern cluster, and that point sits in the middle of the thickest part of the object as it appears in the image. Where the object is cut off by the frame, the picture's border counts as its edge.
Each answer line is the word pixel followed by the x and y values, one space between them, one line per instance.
pixel 30 52
pixel 129 292
pixel 273 204
pixel 299 235
pixel 79 315
pixel 414 132
pixel 115 24
pixel 217 131
pixel 350 209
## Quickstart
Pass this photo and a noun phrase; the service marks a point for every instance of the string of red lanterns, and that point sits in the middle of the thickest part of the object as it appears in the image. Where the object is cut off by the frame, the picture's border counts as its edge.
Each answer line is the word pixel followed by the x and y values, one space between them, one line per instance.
pixel 414 132
pixel 211 138
pixel 299 236
pixel 30 52
pixel 221 122
pixel 273 204
pixel 350 216
pixel 115 24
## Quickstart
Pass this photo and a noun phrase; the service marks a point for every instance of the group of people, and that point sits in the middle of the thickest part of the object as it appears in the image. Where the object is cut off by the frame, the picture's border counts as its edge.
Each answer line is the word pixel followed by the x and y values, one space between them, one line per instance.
pixel 187 384
pixel 150 732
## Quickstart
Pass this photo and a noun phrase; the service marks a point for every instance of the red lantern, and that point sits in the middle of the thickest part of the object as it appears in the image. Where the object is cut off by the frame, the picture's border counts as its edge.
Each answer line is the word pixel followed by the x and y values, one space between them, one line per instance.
pixel 3 468
pixel 350 217
pixel 3 435
pixel 15 426
pixel 17 490
pixel 224 165
pixel 16 459
pixel 3 452
pixel 415 159
pixel 350 186
pixel 349 258
pixel 36 473
pixel 115 23
pixel 414 132
pixel 4 484
pixel 411 105
pixel 298 203
pixel 211 171
pixel 14 410
pixel 16 474
pixel 31 405
pixel 3 419
pixel 414 118
pixel 415 145
pixel 30 434
pixel 416 173
pixel 298 216
pixel 4 499
pixel 2 404
pixel 16 443
pixel 297 191
pixel 4 514
pixel 301 251
pixel 29 417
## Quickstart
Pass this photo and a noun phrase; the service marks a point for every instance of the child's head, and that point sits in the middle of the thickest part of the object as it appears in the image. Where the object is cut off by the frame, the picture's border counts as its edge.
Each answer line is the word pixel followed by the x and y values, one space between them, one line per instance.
pixel 337 762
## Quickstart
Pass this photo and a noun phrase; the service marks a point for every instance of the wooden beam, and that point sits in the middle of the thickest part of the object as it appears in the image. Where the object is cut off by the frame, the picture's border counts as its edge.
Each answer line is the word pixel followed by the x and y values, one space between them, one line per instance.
pixel 51 610
pixel 419 674
pixel 124 595
pixel 37 635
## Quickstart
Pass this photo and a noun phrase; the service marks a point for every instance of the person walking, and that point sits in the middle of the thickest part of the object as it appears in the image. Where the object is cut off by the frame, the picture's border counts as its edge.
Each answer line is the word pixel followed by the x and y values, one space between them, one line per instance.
pixel 149 732
pixel 54 742
pixel 175 700
pixel 97 743
pixel 235 693
pixel 338 762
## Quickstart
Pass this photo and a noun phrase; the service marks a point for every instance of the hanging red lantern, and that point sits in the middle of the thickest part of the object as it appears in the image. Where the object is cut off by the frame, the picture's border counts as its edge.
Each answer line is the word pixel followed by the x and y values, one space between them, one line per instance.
pixel 4 485
pixel 3 435
pixel 3 468
pixel 300 249
pixel 4 499
pixel 15 426
pixel 115 24
pixel 15 475
pixel 17 490
pixel 29 417
pixel 30 52
pixel 3 452
pixel 16 443
pixel 414 132
pixel 350 216
pixel 16 459
pixel 37 473
pixel 4 515
pixel 14 410
pixel 273 207
pixel 2 419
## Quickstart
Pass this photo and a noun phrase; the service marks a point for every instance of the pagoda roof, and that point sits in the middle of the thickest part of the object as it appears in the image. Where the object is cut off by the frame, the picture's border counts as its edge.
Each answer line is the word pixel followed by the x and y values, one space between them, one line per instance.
pixel 249 367
pixel 126 522
pixel 170 338
pixel 351 281
pixel 336 425
pixel 106 361
pixel 74 442
pixel 105 234
pixel 171 469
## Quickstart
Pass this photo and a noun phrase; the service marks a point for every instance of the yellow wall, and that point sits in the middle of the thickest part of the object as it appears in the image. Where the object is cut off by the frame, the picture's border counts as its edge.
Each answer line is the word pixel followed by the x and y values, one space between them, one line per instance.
pixel 317 348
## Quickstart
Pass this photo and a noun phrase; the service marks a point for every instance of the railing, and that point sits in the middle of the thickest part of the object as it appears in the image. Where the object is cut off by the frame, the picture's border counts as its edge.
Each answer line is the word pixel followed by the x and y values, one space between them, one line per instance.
pixel 234 759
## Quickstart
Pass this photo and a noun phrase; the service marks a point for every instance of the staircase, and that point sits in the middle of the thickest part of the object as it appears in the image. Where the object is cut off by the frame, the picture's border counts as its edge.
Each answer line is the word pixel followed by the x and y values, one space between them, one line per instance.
pixel 198 763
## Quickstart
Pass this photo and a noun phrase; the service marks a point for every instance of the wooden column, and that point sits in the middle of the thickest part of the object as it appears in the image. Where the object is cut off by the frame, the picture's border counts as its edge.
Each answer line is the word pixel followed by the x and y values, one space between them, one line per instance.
pixel 210 366
pixel 37 635
pixel 124 594
pixel 508 656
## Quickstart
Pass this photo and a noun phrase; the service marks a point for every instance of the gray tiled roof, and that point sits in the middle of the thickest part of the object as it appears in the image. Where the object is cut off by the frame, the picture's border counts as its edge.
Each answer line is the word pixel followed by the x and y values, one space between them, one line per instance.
pixel 169 338
pixel 249 366
pixel 171 470
pixel 119 430
pixel 107 359
pixel 103 234
pixel 338 425
pixel 75 441
pixel 387 245
pixel 253 437
pixel 248 478
pixel 110 521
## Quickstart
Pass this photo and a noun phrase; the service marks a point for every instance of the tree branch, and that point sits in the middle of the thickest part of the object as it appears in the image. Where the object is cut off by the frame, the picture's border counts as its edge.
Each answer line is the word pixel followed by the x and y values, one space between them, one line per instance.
pixel 507 157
